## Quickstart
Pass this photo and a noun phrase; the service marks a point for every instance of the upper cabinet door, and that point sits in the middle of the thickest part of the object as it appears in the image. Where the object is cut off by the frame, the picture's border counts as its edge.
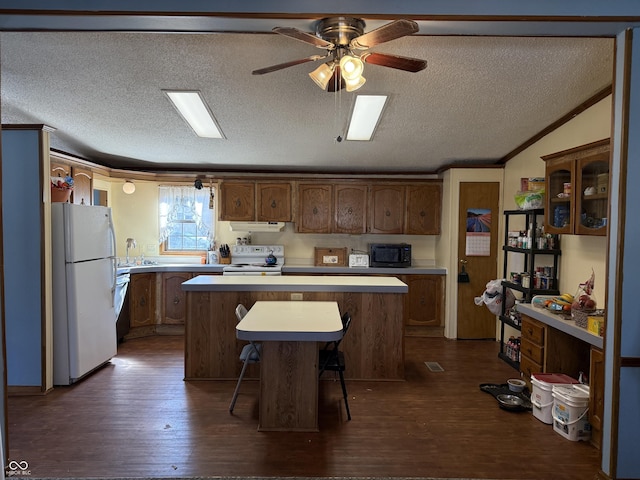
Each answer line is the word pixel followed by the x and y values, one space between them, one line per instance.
pixel 237 201
pixel 424 203
pixel 559 211
pixel 577 190
pixel 314 208
pixel 592 195
pixel 274 202
pixel 387 209
pixel 350 207
pixel 82 186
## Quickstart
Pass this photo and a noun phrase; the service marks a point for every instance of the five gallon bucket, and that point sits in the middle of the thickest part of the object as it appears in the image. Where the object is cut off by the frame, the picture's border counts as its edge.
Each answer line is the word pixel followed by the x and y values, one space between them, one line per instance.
pixel 541 393
pixel 570 412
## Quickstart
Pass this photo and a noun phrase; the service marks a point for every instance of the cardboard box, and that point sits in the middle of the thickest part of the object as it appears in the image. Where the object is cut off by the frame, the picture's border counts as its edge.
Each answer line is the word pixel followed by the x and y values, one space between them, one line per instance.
pixel 330 257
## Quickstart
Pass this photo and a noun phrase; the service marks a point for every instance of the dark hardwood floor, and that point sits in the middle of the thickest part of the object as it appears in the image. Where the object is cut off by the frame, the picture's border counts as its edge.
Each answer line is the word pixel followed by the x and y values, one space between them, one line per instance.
pixel 136 417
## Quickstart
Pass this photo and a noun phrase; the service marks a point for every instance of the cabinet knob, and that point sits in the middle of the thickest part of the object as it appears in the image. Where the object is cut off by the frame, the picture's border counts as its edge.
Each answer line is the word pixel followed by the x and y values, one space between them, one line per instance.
pixel 143 302
pixel 273 204
pixel 350 210
pixel 238 203
pixel 423 213
pixel 176 300
pixel 387 213
pixel 315 210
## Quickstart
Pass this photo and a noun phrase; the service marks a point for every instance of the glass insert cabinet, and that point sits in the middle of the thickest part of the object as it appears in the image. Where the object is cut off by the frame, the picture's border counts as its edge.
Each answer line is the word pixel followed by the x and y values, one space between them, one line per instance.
pixel 577 190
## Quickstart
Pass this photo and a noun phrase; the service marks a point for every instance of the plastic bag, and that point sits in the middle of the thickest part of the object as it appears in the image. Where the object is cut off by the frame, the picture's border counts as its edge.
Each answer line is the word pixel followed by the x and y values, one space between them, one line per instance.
pixel 583 300
pixel 492 297
pixel 529 199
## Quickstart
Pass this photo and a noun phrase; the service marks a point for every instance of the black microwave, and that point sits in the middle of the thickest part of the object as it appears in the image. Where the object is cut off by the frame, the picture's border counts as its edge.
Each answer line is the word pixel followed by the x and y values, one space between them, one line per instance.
pixel 389 255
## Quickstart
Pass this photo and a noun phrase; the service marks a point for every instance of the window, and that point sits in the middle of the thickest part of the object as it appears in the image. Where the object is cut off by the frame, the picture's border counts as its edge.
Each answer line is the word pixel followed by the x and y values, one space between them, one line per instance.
pixel 186 220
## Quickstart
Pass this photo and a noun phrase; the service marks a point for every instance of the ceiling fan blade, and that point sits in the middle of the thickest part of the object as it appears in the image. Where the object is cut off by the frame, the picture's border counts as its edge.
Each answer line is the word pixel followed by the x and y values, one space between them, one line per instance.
pixel 303 37
pixel 280 66
pixel 394 61
pixel 390 31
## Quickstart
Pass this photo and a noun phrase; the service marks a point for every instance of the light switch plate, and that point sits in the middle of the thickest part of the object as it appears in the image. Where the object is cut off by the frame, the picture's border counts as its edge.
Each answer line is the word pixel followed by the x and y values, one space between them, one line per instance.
pixel 358 260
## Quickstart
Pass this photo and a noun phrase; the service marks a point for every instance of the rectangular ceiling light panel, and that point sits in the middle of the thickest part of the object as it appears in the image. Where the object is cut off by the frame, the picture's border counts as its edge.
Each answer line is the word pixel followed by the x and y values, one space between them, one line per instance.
pixel 195 112
pixel 365 116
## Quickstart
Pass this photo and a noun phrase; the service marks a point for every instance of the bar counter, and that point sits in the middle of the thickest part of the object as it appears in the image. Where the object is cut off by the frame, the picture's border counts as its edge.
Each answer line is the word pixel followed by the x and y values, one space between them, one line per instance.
pixel 374 346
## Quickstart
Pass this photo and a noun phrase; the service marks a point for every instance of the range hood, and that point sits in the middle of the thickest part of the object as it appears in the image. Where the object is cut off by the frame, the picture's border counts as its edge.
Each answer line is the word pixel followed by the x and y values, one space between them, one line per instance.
pixel 256 226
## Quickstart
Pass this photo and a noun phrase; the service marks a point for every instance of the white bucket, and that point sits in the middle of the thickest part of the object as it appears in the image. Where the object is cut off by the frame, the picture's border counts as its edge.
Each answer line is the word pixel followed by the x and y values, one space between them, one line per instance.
pixel 570 412
pixel 541 393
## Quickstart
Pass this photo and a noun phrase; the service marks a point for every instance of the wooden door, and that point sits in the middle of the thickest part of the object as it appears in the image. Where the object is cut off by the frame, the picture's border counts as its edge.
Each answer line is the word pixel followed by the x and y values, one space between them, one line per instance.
pixel 387 209
pixel 314 208
pixel 424 304
pixel 143 299
pixel 237 201
pixel 174 299
pixel 424 204
pixel 274 202
pixel 82 186
pixel 350 209
pixel 477 322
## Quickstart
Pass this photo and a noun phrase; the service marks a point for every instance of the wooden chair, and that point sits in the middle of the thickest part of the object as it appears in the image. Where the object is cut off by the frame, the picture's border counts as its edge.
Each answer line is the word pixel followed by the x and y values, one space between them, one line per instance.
pixel 250 354
pixel 332 359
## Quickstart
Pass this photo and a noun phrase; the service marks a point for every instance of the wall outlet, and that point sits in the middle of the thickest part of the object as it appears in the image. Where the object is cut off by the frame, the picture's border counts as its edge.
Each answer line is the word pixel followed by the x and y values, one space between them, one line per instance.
pixel 296 296
pixel 152 248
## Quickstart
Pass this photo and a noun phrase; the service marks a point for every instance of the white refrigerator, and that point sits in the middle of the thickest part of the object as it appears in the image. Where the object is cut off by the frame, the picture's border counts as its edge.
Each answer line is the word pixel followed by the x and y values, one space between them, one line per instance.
pixel 84 273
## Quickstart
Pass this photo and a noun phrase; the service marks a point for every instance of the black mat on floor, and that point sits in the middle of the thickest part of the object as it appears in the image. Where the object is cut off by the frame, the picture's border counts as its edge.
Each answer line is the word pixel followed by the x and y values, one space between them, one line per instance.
pixel 496 389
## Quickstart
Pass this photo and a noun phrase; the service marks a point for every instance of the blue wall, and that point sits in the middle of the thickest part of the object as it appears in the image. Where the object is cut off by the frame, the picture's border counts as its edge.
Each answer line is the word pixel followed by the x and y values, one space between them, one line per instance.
pixel 22 226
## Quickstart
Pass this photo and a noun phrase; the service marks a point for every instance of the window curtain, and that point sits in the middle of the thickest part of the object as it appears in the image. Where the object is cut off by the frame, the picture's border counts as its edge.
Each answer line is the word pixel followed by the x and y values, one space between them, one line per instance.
pixel 172 199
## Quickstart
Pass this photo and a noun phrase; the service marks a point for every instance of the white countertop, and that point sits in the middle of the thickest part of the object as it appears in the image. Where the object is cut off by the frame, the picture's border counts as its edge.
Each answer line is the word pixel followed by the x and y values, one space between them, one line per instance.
pixel 559 323
pixel 291 321
pixel 295 283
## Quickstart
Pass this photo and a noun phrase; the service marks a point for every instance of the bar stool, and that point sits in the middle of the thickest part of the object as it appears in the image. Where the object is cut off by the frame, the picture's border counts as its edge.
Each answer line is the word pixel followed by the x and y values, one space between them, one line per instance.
pixel 250 354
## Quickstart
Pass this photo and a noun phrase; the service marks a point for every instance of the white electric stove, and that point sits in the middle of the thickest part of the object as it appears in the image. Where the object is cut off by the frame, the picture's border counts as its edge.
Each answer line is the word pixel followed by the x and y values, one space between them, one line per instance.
pixel 251 260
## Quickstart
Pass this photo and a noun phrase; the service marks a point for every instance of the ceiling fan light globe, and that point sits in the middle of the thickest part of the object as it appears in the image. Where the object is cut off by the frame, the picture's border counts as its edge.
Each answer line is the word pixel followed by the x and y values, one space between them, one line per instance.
pixel 353 85
pixel 322 75
pixel 351 67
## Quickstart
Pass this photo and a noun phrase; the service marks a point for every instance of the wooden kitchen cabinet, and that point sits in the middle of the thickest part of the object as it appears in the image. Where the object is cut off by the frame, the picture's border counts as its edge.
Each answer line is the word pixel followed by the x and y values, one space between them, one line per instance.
pixel 350 208
pixel 174 299
pixel 143 299
pixel 577 190
pixel 82 186
pixel 237 201
pixel 545 349
pixel 387 204
pixel 424 304
pixel 60 169
pixel 424 206
pixel 274 202
pixel 314 208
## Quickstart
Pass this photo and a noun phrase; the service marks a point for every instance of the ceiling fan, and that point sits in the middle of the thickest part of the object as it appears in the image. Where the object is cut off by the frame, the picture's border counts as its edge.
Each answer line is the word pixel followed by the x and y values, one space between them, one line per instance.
pixel 341 37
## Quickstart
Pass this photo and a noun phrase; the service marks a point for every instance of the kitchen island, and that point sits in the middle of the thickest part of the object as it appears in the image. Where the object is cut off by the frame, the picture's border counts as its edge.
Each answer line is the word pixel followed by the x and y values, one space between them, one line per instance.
pixel 374 347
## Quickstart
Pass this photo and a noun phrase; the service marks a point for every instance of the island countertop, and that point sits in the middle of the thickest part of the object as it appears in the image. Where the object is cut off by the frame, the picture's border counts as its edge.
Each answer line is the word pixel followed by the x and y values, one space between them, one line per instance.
pixel 294 283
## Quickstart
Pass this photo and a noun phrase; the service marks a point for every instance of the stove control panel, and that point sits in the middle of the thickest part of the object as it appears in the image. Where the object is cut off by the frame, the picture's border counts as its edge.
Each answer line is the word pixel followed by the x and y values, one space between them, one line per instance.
pixel 257 250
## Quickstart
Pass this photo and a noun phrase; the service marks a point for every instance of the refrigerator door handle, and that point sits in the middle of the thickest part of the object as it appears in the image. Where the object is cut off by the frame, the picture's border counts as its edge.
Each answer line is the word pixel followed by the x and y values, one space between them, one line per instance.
pixel 114 260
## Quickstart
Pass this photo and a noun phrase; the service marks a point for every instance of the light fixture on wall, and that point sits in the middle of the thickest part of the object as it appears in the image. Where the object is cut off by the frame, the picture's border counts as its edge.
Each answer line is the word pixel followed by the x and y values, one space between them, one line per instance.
pixel 128 187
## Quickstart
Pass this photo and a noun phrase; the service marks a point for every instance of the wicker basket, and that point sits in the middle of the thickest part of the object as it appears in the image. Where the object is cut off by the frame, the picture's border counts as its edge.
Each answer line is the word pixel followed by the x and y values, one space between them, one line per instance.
pixel 581 317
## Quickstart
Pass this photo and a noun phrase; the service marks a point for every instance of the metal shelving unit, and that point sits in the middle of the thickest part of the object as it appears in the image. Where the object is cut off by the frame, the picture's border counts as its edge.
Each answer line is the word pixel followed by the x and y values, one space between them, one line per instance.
pixel 530 253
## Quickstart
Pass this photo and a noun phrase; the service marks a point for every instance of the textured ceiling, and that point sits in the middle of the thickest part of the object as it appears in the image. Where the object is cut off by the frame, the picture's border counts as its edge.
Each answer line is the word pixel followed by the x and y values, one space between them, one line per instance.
pixel 478 99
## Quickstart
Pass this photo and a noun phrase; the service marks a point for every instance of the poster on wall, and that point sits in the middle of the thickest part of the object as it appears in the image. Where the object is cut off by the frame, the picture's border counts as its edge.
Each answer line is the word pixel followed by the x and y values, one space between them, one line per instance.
pixel 478 238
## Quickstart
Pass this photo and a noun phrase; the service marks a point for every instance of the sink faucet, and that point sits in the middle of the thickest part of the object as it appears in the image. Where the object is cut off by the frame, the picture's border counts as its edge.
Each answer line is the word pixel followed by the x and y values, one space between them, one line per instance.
pixel 131 243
